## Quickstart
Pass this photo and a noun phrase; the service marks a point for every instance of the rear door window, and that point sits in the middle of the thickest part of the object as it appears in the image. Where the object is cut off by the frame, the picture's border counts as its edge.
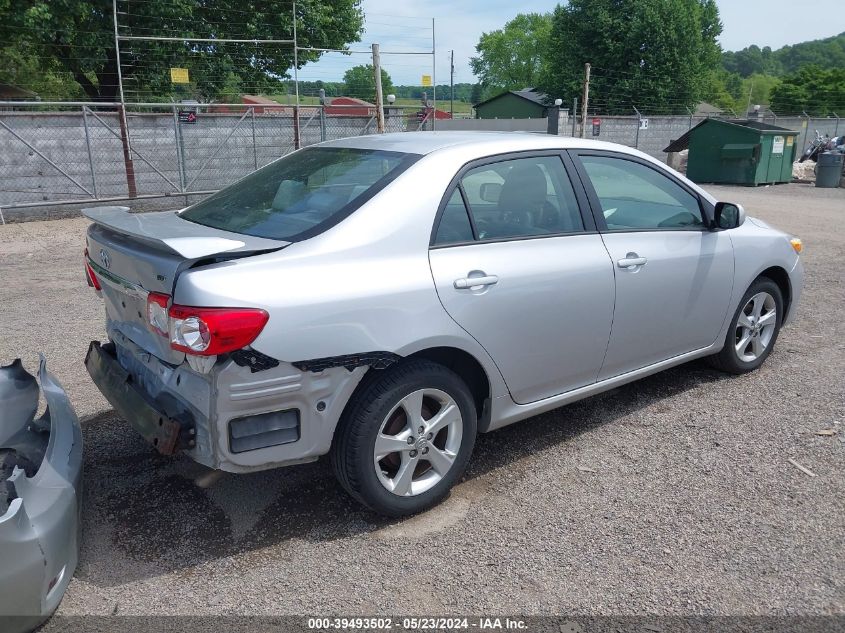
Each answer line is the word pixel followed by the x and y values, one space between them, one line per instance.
pixel 454 226
pixel 522 197
pixel 302 194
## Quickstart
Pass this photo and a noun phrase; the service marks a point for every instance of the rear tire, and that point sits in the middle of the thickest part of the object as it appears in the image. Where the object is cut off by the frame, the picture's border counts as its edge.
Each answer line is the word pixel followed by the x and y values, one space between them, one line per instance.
pixel 405 438
pixel 754 329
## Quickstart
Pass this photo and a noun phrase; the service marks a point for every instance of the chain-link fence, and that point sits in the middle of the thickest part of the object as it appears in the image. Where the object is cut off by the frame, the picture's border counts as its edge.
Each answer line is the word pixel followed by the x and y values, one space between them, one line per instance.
pixel 53 154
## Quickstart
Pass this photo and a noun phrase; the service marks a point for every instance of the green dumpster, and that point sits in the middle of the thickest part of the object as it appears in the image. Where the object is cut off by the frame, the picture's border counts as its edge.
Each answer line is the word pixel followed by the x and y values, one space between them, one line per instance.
pixel 741 152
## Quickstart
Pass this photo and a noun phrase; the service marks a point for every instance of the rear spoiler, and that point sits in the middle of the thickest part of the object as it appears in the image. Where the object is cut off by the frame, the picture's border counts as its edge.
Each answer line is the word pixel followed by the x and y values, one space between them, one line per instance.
pixel 166 229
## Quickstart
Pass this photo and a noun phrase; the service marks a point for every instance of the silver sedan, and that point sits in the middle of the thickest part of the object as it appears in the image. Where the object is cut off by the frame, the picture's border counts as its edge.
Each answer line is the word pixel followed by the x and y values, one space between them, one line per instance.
pixel 384 299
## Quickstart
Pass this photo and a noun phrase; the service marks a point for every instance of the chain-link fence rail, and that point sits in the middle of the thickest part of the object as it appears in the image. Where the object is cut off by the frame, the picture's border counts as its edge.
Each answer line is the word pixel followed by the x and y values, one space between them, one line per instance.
pixel 55 154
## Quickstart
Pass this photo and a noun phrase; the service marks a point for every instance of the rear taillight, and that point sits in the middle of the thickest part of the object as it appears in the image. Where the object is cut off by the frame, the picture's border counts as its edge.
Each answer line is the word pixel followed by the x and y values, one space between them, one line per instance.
pixel 210 331
pixel 157 313
pixel 89 274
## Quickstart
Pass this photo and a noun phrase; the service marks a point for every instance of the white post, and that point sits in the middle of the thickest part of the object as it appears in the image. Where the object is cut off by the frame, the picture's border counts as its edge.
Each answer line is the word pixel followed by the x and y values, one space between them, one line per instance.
pixel 433 79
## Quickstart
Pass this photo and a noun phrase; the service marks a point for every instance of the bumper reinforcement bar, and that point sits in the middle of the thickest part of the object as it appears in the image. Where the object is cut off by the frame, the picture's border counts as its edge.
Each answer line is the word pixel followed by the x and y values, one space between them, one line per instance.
pixel 166 434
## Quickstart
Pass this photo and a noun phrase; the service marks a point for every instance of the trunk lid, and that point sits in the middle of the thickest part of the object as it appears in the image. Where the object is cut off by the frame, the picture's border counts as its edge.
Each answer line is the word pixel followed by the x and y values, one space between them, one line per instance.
pixel 134 254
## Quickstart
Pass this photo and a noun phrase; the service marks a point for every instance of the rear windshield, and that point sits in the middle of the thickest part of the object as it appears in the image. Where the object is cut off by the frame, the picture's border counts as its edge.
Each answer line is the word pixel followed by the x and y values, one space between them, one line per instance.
pixel 302 194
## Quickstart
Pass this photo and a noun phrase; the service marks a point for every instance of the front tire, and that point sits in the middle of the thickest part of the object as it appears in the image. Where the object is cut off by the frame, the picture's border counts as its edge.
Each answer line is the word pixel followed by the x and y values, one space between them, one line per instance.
pixel 754 329
pixel 406 438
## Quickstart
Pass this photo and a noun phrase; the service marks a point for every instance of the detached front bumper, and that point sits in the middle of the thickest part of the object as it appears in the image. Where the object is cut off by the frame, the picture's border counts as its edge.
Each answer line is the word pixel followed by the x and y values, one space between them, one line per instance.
pixel 167 433
pixel 40 528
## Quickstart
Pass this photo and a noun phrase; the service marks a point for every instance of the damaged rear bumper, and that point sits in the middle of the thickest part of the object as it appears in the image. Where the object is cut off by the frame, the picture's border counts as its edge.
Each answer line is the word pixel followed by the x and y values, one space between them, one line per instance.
pixel 40 483
pixel 166 433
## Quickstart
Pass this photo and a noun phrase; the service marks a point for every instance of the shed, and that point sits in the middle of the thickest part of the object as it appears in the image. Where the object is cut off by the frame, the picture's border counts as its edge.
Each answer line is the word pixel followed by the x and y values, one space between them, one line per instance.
pixel 514 104
pixel 742 152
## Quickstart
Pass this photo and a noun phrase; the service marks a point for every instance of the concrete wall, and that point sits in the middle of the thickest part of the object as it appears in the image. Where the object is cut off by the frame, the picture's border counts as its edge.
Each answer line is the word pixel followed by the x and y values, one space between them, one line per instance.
pixel 215 151
pixel 220 148
pixel 664 129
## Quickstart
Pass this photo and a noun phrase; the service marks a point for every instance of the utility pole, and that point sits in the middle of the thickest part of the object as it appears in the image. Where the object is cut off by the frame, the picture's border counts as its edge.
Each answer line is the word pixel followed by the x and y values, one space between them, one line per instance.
pixel 433 77
pixel 452 86
pixel 124 126
pixel 585 102
pixel 379 96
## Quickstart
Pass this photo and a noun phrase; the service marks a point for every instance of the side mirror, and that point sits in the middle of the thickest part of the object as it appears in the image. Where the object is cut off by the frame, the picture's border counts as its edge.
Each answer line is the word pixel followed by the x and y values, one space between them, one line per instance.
pixel 728 215
pixel 490 191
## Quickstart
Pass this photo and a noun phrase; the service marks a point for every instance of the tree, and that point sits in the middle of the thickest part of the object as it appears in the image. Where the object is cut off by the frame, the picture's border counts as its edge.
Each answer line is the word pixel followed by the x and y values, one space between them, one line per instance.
pixel 812 89
pixel 511 58
pixel 361 83
pixel 78 36
pixel 826 53
pixel 655 55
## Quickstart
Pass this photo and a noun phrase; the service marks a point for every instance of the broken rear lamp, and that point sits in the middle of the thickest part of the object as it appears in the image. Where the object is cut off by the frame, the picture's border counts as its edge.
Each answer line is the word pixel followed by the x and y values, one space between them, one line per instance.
pixel 211 331
pixel 89 274
pixel 157 313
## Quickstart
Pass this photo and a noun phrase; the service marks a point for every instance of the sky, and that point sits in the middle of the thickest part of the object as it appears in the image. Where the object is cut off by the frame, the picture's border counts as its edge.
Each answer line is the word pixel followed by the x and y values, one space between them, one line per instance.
pixel 400 25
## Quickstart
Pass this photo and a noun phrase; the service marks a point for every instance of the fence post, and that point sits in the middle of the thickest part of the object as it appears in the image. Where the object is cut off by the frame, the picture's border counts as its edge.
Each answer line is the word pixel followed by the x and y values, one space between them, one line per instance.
pixel 807 129
pixel 296 140
pixel 90 155
pixel 127 153
pixel 836 131
pixel 553 114
pixel 322 114
pixel 574 116
pixel 180 155
pixel 379 96
pixel 254 146
pixel 637 139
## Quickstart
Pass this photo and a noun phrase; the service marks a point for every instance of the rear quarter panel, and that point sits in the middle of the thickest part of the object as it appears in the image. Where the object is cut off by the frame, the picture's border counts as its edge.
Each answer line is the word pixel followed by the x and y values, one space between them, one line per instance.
pixel 364 285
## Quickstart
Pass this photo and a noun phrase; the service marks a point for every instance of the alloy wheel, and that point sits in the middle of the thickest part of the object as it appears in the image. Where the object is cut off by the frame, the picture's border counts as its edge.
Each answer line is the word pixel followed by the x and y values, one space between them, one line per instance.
pixel 418 442
pixel 755 327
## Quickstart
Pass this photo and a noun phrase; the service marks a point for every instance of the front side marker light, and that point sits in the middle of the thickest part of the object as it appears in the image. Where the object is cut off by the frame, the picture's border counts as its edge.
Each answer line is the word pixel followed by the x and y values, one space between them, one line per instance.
pixel 797 245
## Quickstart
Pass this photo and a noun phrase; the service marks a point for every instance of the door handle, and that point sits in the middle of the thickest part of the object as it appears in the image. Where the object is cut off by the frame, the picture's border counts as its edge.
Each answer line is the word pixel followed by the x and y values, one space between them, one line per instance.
pixel 631 261
pixel 472 282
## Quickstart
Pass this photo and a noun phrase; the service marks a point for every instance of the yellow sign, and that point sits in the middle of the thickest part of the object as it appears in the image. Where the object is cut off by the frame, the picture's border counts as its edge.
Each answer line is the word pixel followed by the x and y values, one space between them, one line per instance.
pixel 179 76
pixel 426 80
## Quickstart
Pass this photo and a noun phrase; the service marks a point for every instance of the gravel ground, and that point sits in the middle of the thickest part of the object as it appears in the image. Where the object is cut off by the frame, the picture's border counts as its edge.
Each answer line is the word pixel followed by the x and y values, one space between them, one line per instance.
pixel 673 495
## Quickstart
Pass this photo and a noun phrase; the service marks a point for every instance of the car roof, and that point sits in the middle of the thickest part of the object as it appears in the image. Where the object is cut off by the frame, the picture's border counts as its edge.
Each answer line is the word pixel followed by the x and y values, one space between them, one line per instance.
pixel 485 142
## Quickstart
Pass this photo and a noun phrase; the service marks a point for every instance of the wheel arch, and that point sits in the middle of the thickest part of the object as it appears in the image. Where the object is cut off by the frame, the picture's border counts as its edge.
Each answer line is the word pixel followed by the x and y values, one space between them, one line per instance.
pixel 779 275
pixel 471 372
pixel 464 364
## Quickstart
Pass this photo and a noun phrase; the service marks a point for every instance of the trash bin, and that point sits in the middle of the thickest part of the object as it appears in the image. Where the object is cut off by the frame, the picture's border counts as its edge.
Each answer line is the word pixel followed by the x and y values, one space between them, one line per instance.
pixel 829 169
pixel 740 152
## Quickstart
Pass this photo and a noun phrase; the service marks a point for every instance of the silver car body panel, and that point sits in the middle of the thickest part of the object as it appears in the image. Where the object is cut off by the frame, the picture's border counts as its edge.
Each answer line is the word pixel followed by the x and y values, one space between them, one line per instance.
pixel 39 531
pixel 567 276
pixel 371 283
pixel 675 303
